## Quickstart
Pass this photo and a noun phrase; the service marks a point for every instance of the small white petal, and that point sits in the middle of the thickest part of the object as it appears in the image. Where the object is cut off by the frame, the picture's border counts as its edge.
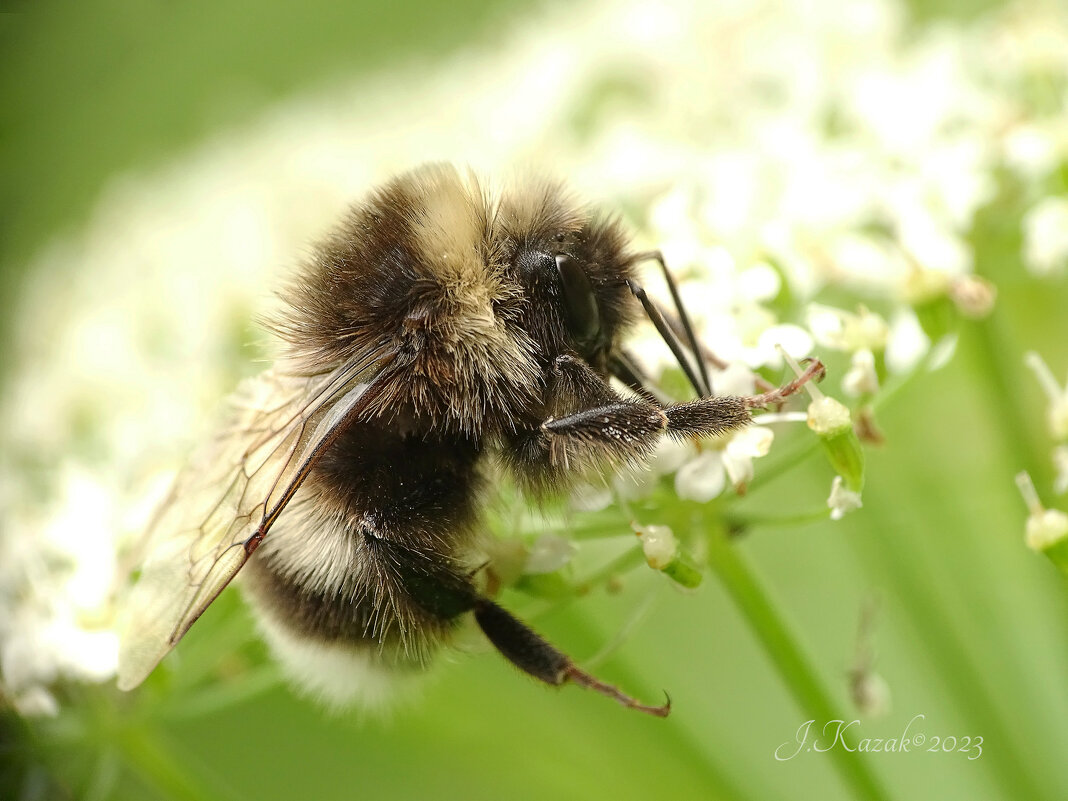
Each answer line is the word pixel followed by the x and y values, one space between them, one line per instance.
pixel 751 442
pixel 36 702
pixel 794 339
pixel 736 379
pixel 739 469
pixel 588 498
pixel 702 478
pixel 670 455
pixel 936 247
pixel 907 343
pixel 759 283
pixel 861 379
pixel 633 485
pixel 548 554
pixel 942 352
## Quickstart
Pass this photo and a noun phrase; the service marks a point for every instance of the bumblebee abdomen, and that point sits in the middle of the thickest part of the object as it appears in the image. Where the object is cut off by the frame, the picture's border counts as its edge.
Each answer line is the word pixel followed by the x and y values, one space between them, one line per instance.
pixel 371 558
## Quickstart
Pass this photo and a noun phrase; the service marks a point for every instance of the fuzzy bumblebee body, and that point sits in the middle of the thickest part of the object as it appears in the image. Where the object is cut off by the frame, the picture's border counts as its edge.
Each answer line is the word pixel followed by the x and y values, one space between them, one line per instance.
pixel 436 331
pixel 457 284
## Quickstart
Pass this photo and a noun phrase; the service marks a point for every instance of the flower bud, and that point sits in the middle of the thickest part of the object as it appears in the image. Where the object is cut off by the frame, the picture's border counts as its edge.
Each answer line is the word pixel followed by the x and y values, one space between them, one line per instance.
pixel 663 553
pixel 659 545
pixel 1047 529
pixel 831 421
pixel 828 417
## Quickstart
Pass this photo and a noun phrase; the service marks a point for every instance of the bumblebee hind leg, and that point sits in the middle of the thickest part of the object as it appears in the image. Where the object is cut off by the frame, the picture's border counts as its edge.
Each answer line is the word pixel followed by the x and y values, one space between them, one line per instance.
pixel 531 653
pixel 440 588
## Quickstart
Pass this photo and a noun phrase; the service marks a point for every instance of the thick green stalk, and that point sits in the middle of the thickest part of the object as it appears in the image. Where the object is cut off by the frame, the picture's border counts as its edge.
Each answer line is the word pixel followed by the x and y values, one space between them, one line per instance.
pixel 786 655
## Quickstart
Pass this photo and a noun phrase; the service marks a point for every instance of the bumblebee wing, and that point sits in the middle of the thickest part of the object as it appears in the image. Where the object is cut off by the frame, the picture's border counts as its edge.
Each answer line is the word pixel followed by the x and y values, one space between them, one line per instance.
pixel 225 500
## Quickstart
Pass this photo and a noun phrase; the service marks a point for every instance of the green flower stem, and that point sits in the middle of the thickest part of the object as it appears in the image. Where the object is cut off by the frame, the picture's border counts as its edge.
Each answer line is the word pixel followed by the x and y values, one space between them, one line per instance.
pixel 781 521
pixel 785 653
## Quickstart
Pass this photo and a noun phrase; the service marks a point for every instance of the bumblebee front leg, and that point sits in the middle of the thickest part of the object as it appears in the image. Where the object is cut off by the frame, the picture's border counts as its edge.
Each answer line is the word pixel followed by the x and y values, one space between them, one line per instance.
pixel 617 429
pixel 625 429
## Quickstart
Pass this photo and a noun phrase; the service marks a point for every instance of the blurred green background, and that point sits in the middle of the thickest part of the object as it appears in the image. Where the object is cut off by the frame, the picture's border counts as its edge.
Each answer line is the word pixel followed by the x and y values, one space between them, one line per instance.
pixel 972 628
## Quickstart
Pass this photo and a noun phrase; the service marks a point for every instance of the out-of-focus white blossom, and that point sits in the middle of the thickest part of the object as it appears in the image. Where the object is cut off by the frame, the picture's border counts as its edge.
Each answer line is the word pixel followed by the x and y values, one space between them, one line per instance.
pixel 1031 150
pixel 849 331
pixel 1046 236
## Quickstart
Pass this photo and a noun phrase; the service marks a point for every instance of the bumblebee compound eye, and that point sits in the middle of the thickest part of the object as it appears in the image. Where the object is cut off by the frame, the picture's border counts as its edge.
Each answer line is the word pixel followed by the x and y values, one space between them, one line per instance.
pixel 580 304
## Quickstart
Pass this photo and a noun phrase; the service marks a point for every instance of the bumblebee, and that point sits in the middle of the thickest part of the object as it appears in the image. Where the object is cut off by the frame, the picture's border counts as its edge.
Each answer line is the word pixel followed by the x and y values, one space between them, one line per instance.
pixel 437 332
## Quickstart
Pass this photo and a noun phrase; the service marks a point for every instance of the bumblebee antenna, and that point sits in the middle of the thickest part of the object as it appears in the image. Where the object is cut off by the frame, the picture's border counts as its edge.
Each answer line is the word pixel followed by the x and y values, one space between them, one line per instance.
pixel 691 338
pixel 702 388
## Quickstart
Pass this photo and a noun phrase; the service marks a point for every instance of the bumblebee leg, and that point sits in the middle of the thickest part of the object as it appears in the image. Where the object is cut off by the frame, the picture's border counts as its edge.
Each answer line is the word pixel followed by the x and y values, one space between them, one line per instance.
pixel 528 651
pixel 624 429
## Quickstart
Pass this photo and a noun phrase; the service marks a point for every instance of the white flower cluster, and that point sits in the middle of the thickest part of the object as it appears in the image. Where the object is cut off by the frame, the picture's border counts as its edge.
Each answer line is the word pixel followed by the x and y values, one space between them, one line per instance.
pixel 772 150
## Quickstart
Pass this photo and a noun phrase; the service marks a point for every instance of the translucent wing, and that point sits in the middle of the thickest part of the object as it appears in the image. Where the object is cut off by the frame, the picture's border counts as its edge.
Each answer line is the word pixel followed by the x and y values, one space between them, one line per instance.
pixel 228 496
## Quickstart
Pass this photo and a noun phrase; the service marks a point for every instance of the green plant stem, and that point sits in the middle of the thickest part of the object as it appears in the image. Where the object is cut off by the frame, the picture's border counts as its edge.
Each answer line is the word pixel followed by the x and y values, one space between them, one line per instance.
pixel 774 521
pixel 793 667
